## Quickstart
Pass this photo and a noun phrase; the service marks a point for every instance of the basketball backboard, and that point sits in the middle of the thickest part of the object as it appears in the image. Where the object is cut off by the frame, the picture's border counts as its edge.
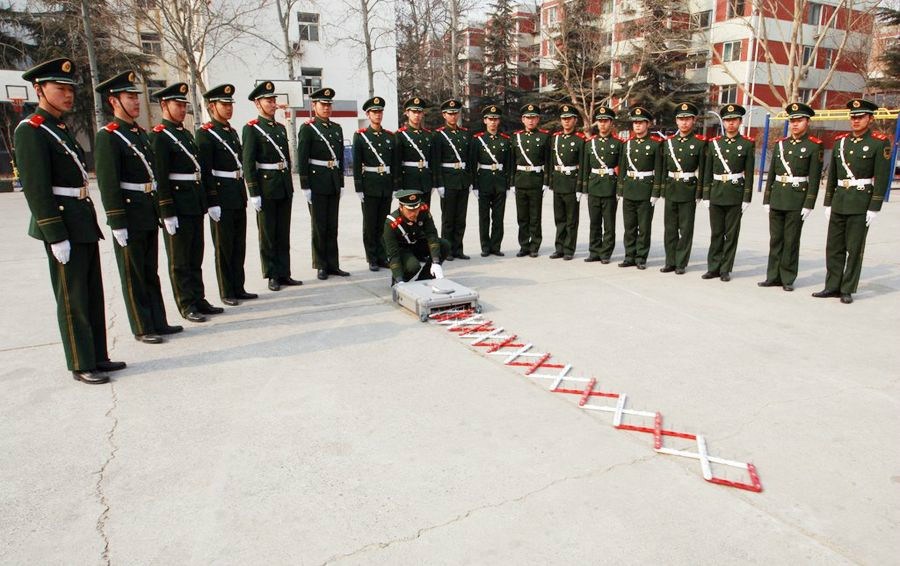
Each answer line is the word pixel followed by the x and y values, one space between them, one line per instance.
pixel 290 93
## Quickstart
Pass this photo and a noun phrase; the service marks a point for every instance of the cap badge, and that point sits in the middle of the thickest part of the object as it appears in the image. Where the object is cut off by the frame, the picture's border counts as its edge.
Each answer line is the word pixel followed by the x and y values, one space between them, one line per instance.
pixel 412 198
pixel 182 89
pixel 66 66
pixel 452 104
pixel 228 89
pixel 684 106
pixel 131 77
pixel 493 108
pixel 730 108
pixel 794 107
pixel 531 106
pixel 856 104
pixel 415 101
pixel 637 112
pixel 327 92
pixel 376 100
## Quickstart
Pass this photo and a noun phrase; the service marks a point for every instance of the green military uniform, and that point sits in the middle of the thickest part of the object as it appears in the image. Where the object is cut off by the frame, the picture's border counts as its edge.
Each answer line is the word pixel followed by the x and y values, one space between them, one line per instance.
pixel 566 155
pixel 181 196
pixel 410 242
pixel 642 175
pixel 531 177
pixel 453 176
pixel 858 178
pixel 599 170
pixel 416 171
pixel 376 166
pixel 127 181
pixel 54 181
pixel 223 177
pixel 791 190
pixel 681 187
pixel 491 158
pixel 727 183
pixel 267 171
pixel 320 157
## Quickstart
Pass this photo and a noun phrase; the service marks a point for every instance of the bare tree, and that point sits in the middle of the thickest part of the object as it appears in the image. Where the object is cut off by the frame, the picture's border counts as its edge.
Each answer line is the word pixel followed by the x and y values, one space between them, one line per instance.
pixel 376 31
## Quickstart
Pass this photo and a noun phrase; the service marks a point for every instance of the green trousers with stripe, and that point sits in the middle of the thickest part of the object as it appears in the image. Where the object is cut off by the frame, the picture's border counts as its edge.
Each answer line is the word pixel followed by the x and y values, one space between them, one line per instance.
pixel 139 272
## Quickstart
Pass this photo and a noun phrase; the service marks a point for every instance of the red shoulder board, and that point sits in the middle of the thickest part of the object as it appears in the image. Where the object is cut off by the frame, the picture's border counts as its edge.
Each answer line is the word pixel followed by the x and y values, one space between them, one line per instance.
pixel 112 126
pixel 464 129
pixel 544 131
pixel 785 138
pixel 700 137
pixel 839 136
pixel 207 126
pixel 717 138
pixel 879 136
pixel 581 135
pixel 424 207
pixel 518 132
pixel 440 129
pixel 310 121
pixel 478 135
pixel 557 133
pixel 159 127
pixel 748 138
pixel 36 120
pixel 426 130
pixel 361 131
pixel 814 139
pixel 656 138
pixel 253 122
pixel 396 222
pixel 402 129
pixel 502 135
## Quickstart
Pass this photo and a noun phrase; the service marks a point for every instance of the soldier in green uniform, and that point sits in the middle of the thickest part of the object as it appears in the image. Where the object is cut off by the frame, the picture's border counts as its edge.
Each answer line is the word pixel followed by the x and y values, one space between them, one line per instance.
pixel 414 142
pixel 411 240
pixel 182 203
pixel 54 181
pixel 223 176
pixel 127 181
pixel 531 178
pixel 682 186
pixel 640 174
pixel 566 155
pixel 320 160
pixel 858 178
pixel 453 176
pixel 599 177
pixel 267 171
pixel 727 190
pixel 491 158
pixel 376 165
pixel 791 190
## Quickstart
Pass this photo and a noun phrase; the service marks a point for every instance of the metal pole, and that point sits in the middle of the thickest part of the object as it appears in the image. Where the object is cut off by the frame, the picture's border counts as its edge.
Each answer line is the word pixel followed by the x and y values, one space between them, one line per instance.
pixel 893 162
pixel 762 157
pixel 92 63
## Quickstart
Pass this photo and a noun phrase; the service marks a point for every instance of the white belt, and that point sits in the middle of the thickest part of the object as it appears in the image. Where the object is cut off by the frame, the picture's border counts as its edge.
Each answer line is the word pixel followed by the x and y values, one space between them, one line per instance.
pixel 138 187
pixel 184 177
pixel 729 177
pixel 68 191
pixel 382 169
pixel 532 168
pixel 320 163
pixel 567 169
pixel 491 166
pixel 454 165
pixel 599 171
pixel 847 183
pixel 419 164
pixel 238 174
pixel 640 174
pixel 680 175
pixel 276 166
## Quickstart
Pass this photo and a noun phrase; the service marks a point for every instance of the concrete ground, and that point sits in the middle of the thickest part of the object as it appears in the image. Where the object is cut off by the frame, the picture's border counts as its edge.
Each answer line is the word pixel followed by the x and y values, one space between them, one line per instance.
pixel 325 425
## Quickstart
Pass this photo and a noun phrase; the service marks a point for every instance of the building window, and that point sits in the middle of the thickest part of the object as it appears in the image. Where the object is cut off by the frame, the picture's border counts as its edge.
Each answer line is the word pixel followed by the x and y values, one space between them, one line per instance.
pixel 728 94
pixel 735 8
pixel 154 84
pixel 827 57
pixel 731 51
pixel 150 44
pixel 701 20
pixel 814 14
pixel 550 16
pixel 606 39
pixel 309 26
pixel 809 55
pixel 312 80
pixel 805 94
pixel 607 7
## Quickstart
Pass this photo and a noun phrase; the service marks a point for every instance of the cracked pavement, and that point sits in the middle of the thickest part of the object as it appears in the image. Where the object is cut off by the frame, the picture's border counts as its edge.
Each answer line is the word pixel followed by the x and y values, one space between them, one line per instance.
pixel 323 425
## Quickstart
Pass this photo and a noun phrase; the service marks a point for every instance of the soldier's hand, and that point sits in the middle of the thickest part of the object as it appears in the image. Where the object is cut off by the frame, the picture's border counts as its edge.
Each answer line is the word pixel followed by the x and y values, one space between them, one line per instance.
pixel 475 192
pixel 440 191
pixel 256 202
pixel 870 217
pixel 308 194
pixel 767 208
pixel 697 201
pixel 215 213
pixel 827 213
pixel 804 214
pixel 61 251
pixel 437 271
pixel 361 195
pixel 512 190
pixel 121 236
pixel 744 207
pixel 544 188
pixel 171 224
pixel 578 197
pixel 653 201
pixel 705 203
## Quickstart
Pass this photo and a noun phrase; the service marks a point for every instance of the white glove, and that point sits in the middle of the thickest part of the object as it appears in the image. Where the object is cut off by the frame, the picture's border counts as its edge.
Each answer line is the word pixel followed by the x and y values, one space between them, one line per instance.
pixel 804 214
pixel 121 236
pixel 471 187
pixel 827 213
pixel 437 271
pixel 474 192
pixel 619 197
pixel 544 188
pixel 578 197
pixel 171 224
pixel 653 201
pixel 767 208
pixel 870 217
pixel 394 194
pixel 343 190
pixel 705 203
pixel 61 251
pixel 256 202
pixel 440 191
pixel 697 201
pixel 744 206
pixel 215 213
pixel 362 196
pixel 308 194
pixel 512 190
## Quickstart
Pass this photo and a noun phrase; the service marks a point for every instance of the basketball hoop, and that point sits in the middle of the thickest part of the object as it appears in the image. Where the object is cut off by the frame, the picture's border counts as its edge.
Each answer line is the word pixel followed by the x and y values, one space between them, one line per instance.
pixel 18 104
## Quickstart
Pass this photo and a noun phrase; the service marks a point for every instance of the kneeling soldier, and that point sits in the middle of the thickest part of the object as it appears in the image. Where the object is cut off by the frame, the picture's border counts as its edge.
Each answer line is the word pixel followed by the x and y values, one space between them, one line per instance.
pixel 410 237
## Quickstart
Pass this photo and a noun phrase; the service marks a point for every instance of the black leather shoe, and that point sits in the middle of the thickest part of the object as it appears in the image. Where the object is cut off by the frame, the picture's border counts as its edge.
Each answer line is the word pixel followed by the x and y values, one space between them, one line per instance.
pixel 533 254
pixel 826 294
pixel 498 253
pixel 667 269
pixel 788 288
pixel 289 282
pixel 449 258
pixel 485 254
pixel 627 263
pixel 604 260
pixel 641 265
pixel 556 255
pixel 230 301
pixel 321 274
pixel 148 339
pixel 339 272
pixel 710 275
pixel 173 329
pixel 462 256
pixel 383 263
pixel 567 258
pixel 725 277
pixel 768 283
pixel 90 377
pixel 274 285
pixel 205 308
pixel 373 267
pixel 846 298
pixel 679 271
pixel 244 295
pixel 591 258
pixel 194 316
pixel 111 366
pixel 521 253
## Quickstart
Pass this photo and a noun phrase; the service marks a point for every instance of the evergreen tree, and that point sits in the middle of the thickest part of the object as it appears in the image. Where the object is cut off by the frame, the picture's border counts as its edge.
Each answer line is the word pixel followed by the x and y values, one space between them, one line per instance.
pixel 501 64
pixel 890 57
